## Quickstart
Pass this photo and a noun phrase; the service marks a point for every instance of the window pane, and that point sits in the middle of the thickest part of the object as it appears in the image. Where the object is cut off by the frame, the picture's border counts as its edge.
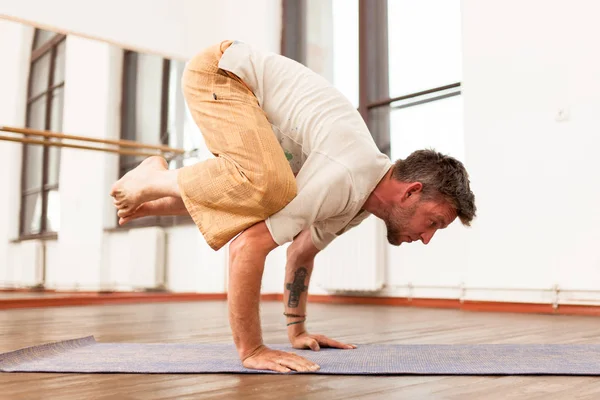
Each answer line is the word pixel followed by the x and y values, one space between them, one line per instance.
pixel 59 64
pixel 129 104
pixel 56 111
pixel 437 125
pixel 174 98
pixel 149 99
pixel 143 100
pixel 36 118
pixel 41 37
pixel 55 125
pixel 424 44
pixel 39 74
pixel 332 43
pixel 129 96
pixel 33 156
pixel 53 211
pixel 192 139
pixel 32 213
pixel 32 165
pixel 176 110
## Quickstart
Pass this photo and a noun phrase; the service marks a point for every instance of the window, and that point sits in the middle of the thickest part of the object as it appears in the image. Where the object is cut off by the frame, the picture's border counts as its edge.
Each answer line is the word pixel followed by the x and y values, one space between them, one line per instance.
pixel 424 45
pixel 153 111
pixel 323 35
pixel 425 71
pixel 332 43
pixel 397 61
pixel 144 103
pixel 433 121
pixel 40 207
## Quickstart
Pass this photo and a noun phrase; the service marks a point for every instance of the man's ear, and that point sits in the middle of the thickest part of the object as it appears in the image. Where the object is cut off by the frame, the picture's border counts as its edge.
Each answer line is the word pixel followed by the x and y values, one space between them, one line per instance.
pixel 413 189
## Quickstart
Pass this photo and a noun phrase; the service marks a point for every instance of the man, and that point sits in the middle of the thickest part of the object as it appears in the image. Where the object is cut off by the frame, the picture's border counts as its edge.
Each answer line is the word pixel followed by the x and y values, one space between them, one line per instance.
pixel 294 162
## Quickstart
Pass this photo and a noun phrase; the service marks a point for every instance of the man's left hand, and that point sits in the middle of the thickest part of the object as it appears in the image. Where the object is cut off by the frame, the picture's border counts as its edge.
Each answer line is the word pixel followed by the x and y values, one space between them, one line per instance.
pixel 315 342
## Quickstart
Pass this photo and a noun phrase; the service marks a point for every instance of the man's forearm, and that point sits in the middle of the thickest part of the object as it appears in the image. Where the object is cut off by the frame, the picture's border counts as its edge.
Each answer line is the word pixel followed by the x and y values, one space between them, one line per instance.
pixel 247 255
pixel 243 296
pixel 298 270
pixel 297 279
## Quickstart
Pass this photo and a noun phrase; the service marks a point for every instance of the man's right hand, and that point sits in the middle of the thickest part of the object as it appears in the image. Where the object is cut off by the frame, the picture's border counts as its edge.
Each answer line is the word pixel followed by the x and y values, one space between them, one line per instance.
pixel 280 361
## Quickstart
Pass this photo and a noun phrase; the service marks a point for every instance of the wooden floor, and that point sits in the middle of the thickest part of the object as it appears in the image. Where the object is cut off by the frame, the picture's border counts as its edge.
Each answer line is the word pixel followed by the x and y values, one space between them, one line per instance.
pixel 207 322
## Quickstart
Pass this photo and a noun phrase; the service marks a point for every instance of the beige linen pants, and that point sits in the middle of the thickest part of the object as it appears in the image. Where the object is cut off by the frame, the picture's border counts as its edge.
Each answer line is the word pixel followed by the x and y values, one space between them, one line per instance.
pixel 250 178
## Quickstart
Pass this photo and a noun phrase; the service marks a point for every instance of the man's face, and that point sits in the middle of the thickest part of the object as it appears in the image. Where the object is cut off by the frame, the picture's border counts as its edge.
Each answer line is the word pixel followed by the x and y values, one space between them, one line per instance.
pixel 418 220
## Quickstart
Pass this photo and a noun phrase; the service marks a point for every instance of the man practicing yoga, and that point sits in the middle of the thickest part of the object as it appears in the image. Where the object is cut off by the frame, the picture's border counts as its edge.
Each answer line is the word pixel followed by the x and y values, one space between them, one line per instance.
pixel 294 162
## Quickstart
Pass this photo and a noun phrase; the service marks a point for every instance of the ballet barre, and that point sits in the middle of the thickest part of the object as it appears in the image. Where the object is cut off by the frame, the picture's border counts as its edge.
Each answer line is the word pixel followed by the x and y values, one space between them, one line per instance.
pixel 124 147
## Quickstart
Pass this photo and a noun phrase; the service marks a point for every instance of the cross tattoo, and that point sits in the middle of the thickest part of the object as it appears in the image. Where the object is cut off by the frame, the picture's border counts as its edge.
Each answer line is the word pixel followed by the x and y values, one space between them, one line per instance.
pixel 297 287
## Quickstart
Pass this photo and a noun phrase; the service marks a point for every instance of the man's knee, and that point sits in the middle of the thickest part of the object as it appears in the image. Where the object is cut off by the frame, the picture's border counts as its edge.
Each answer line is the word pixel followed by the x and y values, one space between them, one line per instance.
pixel 279 188
pixel 289 188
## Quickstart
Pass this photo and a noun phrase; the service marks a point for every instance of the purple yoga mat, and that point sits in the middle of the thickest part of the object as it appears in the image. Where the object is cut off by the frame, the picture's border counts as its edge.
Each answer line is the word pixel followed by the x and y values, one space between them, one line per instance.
pixel 85 355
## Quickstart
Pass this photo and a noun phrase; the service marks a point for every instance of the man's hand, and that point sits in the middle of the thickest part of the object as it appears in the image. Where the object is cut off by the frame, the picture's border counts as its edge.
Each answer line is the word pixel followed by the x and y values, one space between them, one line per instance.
pixel 315 342
pixel 280 361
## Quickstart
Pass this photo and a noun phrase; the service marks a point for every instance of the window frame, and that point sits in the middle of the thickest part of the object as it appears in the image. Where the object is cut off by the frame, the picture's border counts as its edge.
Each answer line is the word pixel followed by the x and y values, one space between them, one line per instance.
pixel 50 46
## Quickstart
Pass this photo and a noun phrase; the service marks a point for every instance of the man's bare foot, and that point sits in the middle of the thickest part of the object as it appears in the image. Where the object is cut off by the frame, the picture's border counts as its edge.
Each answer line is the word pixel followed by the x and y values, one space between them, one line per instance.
pixel 149 181
pixel 163 206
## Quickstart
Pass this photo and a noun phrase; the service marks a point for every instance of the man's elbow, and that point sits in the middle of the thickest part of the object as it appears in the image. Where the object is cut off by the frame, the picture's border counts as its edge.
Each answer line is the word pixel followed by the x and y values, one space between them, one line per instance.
pixel 302 250
pixel 255 241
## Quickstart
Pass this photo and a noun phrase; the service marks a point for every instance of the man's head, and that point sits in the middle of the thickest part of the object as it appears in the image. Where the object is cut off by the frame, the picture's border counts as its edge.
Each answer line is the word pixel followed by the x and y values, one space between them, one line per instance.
pixel 425 192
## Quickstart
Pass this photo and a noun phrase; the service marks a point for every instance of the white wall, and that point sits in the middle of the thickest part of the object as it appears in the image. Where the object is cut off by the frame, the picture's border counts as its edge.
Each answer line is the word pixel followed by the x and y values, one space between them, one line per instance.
pixel 173 28
pixel 192 266
pixel 536 178
pixel 14 40
pixel 92 73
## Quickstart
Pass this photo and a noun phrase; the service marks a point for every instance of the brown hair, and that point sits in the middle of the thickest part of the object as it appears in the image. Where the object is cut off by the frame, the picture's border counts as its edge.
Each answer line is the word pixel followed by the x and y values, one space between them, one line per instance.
pixel 440 175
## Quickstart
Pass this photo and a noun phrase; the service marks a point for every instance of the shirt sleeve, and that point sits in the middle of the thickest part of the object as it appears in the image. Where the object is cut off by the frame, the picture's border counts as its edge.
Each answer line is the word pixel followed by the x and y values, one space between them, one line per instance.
pixel 322 239
pixel 324 189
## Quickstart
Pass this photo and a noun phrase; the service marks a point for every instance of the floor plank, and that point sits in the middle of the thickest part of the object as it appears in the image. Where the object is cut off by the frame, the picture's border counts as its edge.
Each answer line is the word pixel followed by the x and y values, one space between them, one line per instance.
pixel 204 322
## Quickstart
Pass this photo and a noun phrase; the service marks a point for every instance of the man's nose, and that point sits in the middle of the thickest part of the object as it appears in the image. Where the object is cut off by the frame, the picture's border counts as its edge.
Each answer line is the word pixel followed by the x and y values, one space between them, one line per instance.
pixel 427 236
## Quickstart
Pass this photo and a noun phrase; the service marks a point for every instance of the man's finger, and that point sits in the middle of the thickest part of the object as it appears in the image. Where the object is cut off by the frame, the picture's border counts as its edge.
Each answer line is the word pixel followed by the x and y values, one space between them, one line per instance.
pixel 325 341
pixel 277 367
pixel 313 344
pixel 296 365
pixel 306 363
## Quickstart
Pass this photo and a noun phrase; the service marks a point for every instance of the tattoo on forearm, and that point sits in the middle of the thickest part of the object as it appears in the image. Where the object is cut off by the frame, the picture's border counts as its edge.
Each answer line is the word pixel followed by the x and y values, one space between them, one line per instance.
pixel 297 287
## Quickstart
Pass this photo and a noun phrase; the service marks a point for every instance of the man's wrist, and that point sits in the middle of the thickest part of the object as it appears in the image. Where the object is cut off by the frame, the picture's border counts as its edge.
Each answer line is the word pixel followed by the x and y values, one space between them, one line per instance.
pixel 295 327
pixel 249 351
